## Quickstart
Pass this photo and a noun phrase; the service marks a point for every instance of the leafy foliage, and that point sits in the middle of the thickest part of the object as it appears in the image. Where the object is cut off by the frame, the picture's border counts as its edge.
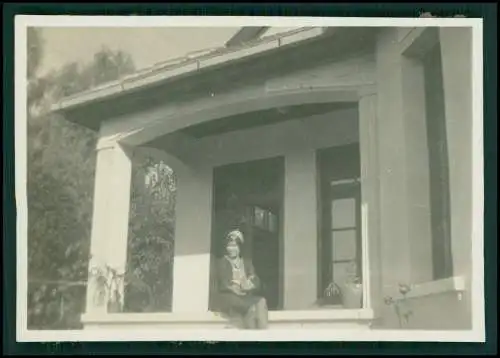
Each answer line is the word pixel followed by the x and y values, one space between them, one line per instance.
pixel 401 305
pixel 151 237
pixel 61 168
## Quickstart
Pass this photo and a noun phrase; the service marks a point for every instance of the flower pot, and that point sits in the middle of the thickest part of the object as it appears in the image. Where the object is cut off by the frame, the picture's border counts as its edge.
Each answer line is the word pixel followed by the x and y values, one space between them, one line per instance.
pixel 114 307
pixel 331 296
pixel 330 300
pixel 352 295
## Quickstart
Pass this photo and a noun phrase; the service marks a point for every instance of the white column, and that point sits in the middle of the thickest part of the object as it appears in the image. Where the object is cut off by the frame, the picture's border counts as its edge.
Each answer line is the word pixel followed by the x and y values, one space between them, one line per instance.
pixel 300 230
pixel 192 239
pixel 372 283
pixel 110 217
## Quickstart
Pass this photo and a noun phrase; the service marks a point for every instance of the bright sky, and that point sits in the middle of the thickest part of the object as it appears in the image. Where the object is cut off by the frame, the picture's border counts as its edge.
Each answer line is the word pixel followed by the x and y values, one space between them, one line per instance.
pixel 147 46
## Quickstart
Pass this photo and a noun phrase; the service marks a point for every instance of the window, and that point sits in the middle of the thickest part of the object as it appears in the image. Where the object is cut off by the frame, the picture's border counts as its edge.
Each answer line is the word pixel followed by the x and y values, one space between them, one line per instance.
pixel 438 163
pixel 344 229
pixel 340 216
pixel 265 219
pixel 425 124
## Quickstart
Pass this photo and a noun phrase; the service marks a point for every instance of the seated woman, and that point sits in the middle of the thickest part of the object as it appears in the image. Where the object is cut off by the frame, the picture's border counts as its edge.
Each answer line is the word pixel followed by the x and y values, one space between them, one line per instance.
pixel 237 285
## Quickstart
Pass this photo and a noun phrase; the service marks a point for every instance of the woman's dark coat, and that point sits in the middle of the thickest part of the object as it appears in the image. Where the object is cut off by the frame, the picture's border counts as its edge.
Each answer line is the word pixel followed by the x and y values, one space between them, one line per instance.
pixel 225 299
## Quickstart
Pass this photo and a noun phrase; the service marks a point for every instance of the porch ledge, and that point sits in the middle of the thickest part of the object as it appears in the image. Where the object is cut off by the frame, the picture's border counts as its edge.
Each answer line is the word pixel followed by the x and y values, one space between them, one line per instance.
pixel 451 284
pixel 204 317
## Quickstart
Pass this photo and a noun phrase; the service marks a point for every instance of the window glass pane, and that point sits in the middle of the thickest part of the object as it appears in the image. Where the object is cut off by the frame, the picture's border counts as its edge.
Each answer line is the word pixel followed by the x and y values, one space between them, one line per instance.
pixel 273 222
pixel 343 245
pixel 259 217
pixel 341 271
pixel 343 213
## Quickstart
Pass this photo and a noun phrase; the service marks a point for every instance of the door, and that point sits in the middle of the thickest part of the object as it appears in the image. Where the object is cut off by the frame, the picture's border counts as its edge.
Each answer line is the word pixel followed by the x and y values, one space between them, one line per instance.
pixel 249 197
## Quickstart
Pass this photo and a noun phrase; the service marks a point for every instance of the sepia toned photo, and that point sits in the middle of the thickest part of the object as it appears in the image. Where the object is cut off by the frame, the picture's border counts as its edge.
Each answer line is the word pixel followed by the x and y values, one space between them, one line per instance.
pixel 249 179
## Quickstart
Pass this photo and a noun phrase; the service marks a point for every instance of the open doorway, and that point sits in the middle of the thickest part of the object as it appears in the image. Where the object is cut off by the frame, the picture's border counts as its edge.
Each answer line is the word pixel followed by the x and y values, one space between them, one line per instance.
pixel 249 196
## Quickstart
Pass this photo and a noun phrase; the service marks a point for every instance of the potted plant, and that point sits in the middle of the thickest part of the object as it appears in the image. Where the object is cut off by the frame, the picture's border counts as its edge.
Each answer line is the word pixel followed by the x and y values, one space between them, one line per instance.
pixel 401 307
pixel 351 289
pixel 108 283
pixel 331 295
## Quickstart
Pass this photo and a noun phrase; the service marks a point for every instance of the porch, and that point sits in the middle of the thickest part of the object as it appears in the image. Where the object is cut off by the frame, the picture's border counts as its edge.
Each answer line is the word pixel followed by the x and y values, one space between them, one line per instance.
pixel 362 94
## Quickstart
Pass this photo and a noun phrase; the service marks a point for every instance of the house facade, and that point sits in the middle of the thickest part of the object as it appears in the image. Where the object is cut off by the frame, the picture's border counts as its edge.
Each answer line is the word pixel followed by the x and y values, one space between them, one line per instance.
pixel 336 150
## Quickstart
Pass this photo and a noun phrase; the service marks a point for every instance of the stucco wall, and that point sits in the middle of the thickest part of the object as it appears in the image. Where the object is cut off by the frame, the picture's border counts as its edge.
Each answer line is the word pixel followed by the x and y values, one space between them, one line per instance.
pixel 445 311
pixel 405 248
pixel 395 250
pixel 320 131
pixel 192 240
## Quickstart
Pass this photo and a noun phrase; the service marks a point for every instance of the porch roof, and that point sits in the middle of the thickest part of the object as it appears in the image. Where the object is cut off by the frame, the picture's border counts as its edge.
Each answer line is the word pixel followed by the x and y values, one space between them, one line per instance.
pixel 186 66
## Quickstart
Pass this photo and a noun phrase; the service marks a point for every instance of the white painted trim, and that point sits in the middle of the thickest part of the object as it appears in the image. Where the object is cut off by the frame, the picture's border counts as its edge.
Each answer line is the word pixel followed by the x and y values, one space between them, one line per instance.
pixel 345 181
pixel 322 315
pixel 452 284
pixel 365 257
pixel 410 38
pixel 416 34
pixel 196 317
pixel 369 189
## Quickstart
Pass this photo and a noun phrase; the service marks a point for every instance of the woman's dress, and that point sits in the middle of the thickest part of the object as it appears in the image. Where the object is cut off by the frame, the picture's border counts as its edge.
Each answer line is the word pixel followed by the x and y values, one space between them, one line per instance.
pixel 230 275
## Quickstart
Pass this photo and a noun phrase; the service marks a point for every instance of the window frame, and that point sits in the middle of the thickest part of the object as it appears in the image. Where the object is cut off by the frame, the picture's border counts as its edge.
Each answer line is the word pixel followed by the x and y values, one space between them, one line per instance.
pixel 338 192
pixel 348 176
pixel 440 207
pixel 416 46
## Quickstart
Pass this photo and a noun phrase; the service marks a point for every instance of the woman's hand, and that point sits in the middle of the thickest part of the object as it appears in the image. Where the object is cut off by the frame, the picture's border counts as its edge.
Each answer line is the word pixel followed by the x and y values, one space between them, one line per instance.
pixel 236 289
pixel 247 285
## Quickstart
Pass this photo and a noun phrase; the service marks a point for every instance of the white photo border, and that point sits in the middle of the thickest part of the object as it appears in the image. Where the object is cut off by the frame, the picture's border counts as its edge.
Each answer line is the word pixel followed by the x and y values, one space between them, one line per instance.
pixel 22 22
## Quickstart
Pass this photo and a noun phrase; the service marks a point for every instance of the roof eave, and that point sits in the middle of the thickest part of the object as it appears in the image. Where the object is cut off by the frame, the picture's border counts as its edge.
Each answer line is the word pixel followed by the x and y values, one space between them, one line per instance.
pixel 245 34
pixel 146 79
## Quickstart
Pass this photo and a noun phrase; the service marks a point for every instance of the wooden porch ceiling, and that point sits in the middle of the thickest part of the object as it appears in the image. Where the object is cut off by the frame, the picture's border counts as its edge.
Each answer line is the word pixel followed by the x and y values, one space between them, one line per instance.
pixel 179 142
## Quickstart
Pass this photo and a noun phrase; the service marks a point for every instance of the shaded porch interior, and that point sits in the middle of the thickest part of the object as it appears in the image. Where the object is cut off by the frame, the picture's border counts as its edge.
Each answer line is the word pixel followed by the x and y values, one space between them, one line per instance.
pixel 249 197
pixel 182 143
pixel 248 191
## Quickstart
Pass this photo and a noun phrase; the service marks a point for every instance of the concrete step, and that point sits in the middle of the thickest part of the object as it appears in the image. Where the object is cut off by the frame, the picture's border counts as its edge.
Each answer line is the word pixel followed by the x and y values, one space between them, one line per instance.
pixel 326 319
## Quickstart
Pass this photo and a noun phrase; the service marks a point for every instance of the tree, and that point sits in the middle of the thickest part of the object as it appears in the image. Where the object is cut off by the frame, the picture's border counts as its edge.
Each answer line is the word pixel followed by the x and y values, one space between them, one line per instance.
pixel 34 52
pixel 151 236
pixel 61 159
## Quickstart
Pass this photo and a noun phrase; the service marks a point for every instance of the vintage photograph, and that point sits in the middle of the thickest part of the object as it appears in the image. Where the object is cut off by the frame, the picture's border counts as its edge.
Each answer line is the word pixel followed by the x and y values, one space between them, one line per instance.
pixel 249 177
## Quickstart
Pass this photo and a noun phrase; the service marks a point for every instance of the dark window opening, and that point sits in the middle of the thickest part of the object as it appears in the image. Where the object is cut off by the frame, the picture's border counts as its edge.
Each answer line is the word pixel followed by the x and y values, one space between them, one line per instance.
pixel 438 164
